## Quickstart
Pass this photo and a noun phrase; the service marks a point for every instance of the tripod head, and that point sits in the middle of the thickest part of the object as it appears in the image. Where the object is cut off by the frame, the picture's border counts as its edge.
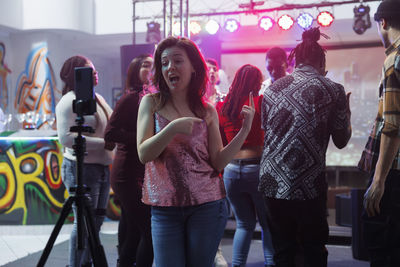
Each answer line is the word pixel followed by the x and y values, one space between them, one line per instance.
pixel 80 128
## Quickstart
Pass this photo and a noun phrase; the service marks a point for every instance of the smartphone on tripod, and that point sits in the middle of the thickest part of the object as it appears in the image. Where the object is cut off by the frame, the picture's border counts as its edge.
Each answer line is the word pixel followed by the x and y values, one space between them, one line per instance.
pixel 84 104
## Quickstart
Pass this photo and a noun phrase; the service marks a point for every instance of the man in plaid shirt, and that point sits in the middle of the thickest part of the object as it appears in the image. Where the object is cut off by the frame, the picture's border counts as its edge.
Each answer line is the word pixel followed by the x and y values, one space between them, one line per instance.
pixel 381 157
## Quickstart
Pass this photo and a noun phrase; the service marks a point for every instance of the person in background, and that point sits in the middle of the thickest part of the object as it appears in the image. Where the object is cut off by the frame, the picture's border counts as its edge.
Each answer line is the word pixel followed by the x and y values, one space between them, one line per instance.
pixel 223 84
pixel 214 97
pixel 276 64
pixel 241 174
pixel 213 94
pixel 178 139
pixel 300 113
pixel 134 231
pixel 95 163
pixel 381 156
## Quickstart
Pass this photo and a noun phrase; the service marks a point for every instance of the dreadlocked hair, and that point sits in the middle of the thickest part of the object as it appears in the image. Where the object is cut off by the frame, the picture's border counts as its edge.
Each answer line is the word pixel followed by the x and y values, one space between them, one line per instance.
pixel 309 51
pixel 247 79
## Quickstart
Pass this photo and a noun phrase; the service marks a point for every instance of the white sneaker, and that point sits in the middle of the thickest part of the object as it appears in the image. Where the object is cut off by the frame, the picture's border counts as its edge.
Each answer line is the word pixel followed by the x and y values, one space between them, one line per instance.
pixel 219 260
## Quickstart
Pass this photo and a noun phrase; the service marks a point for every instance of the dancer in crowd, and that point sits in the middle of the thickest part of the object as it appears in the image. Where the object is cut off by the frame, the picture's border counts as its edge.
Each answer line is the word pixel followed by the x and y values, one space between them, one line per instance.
pixel 213 97
pixel 300 112
pixel 179 140
pixel 134 231
pixel 213 94
pixel 276 65
pixel 96 162
pixel 241 175
pixel 381 157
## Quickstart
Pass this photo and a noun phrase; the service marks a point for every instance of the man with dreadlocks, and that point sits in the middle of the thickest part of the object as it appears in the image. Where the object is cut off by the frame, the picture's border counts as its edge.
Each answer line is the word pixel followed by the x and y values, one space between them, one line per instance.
pixel 381 157
pixel 299 114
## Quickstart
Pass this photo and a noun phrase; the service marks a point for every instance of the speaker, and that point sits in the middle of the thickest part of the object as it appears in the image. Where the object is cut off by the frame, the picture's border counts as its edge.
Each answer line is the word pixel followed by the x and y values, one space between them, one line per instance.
pixel 129 52
pixel 359 250
pixel 343 210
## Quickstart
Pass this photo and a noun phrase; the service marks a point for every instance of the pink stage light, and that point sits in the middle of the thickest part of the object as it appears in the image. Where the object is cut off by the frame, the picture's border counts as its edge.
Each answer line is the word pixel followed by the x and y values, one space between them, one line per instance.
pixel 231 25
pixel 266 23
pixel 285 22
pixel 212 27
pixel 194 27
pixel 325 19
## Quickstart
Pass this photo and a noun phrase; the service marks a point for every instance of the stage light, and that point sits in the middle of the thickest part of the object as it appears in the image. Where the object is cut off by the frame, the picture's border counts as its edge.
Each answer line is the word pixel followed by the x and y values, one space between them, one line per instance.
pixel 153 34
pixel 285 22
pixel 266 23
pixel 305 20
pixel 212 27
pixel 362 21
pixel 231 25
pixel 194 27
pixel 325 19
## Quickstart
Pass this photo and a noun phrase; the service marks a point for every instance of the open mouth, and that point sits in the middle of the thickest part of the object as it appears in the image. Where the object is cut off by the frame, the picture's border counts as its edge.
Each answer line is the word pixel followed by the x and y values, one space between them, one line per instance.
pixel 173 78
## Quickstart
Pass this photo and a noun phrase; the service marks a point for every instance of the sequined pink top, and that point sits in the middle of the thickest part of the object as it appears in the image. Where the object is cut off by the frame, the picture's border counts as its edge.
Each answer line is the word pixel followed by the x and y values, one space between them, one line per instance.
pixel 182 175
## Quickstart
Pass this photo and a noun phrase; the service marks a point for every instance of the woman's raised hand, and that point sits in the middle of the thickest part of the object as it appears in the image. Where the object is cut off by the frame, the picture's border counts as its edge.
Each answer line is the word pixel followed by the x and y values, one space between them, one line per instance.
pixel 185 125
pixel 247 113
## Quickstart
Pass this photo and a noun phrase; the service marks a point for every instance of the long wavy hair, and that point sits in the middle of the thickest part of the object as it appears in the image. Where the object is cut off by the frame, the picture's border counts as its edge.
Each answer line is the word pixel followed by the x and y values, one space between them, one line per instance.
pixel 198 81
pixel 248 78
pixel 309 51
pixel 133 81
pixel 67 71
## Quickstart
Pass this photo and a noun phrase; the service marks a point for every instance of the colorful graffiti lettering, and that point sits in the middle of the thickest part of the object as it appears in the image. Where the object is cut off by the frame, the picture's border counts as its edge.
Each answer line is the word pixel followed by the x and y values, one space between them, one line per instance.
pixel 31 190
pixel 4 71
pixel 36 86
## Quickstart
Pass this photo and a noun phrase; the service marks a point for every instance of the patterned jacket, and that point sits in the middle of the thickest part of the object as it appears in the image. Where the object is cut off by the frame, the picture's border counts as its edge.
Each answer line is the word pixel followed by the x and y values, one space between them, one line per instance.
pixel 299 114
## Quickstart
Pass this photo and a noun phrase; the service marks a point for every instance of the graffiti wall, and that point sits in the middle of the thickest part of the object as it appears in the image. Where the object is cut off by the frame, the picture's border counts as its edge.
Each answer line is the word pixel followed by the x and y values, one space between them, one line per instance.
pixel 31 189
pixel 36 89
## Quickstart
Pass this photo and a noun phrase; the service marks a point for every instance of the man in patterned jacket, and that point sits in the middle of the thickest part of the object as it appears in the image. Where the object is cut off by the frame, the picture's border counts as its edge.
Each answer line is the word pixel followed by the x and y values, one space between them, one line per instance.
pixel 381 157
pixel 300 112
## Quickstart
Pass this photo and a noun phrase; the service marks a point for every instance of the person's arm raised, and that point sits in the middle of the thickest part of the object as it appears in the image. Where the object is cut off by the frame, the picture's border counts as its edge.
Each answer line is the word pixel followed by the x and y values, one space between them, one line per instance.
pixel 150 144
pixel 221 156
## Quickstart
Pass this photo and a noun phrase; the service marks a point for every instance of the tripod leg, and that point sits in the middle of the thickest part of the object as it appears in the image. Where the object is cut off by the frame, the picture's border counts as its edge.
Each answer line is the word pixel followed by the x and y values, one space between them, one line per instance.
pixel 96 249
pixel 63 215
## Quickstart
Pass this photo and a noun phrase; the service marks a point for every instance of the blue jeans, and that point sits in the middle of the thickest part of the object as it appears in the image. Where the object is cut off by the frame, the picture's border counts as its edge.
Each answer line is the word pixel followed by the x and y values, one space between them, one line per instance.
pixel 96 177
pixel 241 183
pixel 188 236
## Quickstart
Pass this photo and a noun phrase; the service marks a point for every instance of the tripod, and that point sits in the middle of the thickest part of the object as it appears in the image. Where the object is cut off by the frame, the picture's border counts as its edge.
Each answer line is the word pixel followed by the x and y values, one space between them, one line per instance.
pixel 83 206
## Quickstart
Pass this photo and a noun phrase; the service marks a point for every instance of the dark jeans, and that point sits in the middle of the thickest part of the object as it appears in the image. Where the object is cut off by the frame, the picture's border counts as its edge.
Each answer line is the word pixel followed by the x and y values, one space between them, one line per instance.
pixel 382 232
pixel 298 224
pixel 134 231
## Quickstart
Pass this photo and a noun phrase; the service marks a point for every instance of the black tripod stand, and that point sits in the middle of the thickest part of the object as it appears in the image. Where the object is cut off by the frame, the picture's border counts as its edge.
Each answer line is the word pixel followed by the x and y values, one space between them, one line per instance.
pixel 84 212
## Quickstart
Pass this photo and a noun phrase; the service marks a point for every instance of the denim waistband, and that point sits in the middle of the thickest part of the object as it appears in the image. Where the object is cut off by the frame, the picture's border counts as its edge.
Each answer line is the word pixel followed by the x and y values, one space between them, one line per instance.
pixel 249 161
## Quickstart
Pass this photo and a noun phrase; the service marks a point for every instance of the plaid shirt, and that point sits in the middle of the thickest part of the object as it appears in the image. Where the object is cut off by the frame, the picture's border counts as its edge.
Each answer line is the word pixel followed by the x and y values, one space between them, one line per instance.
pixel 388 119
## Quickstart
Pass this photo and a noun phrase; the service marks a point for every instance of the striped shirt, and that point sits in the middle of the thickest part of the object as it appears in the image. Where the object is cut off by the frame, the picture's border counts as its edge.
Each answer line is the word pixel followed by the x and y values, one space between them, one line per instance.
pixel 388 119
